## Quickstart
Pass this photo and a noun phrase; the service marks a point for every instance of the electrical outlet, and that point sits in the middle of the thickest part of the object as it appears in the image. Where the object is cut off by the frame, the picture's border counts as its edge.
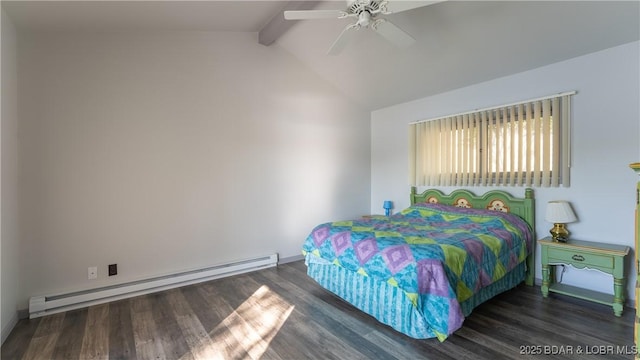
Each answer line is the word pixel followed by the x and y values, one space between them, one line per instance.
pixel 113 269
pixel 92 273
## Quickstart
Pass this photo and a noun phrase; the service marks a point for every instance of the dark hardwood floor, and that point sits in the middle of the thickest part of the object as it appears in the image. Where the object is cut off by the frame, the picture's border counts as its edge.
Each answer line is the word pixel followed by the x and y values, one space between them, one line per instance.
pixel 281 313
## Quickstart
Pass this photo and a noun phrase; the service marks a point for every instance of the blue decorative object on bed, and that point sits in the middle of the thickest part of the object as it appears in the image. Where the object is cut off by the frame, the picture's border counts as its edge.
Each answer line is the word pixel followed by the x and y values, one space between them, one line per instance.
pixel 424 269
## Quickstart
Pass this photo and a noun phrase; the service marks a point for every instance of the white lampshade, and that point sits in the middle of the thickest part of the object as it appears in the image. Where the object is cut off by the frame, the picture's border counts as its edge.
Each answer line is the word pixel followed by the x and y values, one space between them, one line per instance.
pixel 560 212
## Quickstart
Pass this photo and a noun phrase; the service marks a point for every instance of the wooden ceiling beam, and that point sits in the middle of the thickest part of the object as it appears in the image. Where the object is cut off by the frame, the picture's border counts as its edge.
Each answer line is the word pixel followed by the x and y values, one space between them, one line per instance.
pixel 278 25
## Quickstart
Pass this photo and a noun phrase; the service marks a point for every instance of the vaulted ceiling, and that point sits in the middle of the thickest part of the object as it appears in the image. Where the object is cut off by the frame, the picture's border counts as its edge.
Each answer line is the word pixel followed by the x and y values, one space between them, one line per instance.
pixel 458 43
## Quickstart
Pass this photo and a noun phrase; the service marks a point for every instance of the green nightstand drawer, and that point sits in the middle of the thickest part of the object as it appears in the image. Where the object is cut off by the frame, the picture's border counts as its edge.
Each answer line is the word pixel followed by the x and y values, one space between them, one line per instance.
pixel 581 258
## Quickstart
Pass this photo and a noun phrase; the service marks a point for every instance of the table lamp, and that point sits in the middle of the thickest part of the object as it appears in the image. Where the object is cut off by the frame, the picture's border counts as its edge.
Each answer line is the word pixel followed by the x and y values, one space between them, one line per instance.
pixel 387 206
pixel 559 213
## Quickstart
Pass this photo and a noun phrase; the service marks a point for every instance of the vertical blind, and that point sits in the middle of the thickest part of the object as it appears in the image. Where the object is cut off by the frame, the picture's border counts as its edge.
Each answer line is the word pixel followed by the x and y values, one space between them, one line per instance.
pixel 521 144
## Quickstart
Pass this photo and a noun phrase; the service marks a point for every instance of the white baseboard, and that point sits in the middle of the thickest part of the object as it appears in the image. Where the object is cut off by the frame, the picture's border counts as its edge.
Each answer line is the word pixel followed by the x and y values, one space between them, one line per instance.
pixel 290 259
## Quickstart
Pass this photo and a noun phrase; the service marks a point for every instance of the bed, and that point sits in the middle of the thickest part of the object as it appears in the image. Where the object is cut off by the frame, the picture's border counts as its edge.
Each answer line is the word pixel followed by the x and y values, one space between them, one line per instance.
pixel 424 269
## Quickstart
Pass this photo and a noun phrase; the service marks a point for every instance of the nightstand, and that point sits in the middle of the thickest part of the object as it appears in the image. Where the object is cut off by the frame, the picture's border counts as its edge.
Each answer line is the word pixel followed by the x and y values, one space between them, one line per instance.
pixel 607 258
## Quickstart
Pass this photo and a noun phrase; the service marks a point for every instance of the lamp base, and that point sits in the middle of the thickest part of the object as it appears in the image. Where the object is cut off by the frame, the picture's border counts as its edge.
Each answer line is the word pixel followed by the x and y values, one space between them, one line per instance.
pixel 559 233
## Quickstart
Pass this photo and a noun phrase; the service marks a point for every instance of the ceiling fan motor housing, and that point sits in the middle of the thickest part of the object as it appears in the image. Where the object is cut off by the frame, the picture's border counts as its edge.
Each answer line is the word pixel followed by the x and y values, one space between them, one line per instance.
pixel 359 6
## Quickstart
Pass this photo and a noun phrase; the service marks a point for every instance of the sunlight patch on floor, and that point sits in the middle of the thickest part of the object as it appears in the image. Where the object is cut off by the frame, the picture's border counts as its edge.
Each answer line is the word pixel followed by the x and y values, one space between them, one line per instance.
pixel 249 328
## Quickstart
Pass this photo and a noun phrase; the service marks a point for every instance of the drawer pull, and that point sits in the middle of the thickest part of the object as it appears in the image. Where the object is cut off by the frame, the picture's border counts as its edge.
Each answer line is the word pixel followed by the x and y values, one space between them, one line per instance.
pixel 578 257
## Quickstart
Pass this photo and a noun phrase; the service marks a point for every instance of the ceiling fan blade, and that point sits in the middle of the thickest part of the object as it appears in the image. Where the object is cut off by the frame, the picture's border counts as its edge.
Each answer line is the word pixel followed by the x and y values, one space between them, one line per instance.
pixel 393 33
pixel 343 39
pixel 312 14
pixel 396 6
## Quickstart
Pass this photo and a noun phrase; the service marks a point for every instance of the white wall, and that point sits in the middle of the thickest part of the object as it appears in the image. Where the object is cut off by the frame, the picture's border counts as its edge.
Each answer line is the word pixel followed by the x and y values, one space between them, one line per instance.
pixel 171 151
pixel 605 128
pixel 9 246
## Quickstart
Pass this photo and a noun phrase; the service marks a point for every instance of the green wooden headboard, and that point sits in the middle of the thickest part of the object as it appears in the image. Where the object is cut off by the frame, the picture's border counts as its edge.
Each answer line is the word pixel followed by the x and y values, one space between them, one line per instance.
pixel 495 200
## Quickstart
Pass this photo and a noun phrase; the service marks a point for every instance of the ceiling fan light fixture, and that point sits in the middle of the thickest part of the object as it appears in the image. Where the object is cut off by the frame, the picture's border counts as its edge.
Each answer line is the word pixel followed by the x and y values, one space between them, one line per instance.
pixel 364 19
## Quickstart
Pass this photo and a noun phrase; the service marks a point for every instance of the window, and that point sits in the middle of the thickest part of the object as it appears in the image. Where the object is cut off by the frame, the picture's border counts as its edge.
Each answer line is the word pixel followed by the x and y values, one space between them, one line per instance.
pixel 523 144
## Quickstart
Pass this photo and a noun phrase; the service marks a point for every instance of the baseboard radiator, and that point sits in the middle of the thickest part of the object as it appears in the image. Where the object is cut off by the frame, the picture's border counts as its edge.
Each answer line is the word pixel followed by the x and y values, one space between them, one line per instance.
pixel 51 304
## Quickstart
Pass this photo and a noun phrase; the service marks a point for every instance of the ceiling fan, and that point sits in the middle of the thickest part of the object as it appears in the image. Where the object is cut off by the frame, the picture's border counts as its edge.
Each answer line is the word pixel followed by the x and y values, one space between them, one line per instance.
pixel 367 14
